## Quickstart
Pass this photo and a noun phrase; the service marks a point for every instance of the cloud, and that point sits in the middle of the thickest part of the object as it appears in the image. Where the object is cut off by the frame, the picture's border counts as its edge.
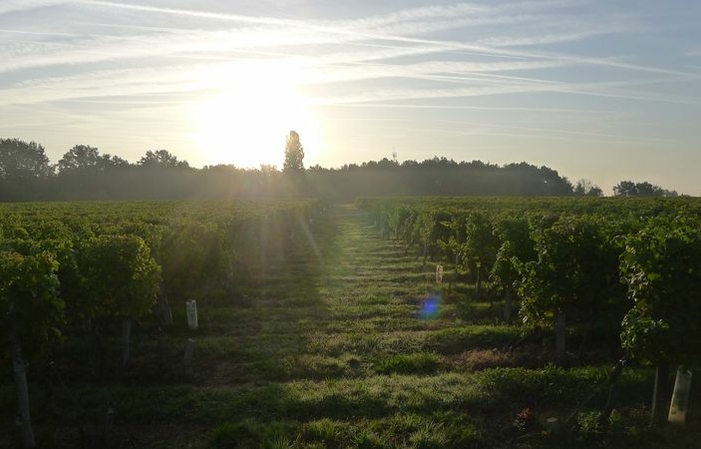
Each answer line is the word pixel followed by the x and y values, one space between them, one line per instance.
pixel 117 56
pixel 38 33
pixel 16 6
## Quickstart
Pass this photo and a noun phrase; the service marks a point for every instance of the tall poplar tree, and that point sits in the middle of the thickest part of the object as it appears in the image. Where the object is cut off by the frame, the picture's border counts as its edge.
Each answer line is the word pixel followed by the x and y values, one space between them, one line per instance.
pixel 294 154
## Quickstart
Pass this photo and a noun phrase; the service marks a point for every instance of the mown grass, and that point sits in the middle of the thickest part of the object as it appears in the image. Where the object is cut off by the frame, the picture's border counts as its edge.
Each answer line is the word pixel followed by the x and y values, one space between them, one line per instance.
pixel 340 351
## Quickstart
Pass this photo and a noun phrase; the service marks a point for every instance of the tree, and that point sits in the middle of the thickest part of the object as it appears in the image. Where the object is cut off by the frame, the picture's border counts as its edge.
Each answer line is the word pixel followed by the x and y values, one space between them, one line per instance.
pixel 79 158
pixel 161 159
pixel 661 267
pixel 24 168
pixel 83 158
pixel 294 154
pixel 116 161
pixel 625 188
pixel 85 173
pixel 21 160
pixel 526 179
pixel 584 187
pixel 630 188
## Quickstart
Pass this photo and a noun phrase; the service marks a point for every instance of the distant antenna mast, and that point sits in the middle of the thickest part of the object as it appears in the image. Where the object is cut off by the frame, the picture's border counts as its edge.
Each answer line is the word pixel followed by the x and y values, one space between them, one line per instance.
pixel 394 157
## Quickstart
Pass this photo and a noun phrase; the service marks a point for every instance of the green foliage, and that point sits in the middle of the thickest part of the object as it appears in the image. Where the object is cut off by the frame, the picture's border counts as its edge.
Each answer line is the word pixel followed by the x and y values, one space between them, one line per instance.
pixel 120 276
pixel 516 249
pixel 326 351
pixel 471 242
pixel 29 301
pixel 193 255
pixel 576 271
pixel 431 230
pixel 481 243
pixel 662 267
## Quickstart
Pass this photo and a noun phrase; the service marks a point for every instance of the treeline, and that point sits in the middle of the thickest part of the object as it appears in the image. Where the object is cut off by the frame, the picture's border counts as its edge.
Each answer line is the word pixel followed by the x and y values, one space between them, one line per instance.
pixel 83 173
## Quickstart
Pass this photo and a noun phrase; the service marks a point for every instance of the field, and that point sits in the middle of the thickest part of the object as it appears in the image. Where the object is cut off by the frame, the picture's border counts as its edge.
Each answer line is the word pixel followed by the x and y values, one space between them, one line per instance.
pixel 345 341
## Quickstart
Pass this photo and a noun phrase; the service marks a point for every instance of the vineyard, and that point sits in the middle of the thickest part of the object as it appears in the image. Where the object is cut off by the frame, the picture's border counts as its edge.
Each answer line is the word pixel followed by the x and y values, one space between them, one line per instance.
pixel 400 322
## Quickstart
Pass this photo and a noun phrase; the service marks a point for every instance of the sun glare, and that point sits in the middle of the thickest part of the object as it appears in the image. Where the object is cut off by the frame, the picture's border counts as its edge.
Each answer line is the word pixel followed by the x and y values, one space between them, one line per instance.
pixel 247 113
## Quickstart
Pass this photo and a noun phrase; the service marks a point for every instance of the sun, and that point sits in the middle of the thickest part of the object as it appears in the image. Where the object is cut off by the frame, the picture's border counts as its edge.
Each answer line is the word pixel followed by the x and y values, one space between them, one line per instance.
pixel 246 114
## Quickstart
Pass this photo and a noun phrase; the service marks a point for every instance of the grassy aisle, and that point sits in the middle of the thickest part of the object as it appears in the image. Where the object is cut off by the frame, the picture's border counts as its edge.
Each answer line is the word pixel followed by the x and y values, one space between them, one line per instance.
pixel 377 368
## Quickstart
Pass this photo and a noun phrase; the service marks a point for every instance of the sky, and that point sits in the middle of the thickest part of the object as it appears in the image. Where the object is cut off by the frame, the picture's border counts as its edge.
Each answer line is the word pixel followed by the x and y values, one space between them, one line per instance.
pixel 595 89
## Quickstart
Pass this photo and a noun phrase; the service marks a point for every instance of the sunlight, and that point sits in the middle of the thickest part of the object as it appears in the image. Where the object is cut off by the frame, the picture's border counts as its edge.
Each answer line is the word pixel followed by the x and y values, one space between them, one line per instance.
pixel 250 108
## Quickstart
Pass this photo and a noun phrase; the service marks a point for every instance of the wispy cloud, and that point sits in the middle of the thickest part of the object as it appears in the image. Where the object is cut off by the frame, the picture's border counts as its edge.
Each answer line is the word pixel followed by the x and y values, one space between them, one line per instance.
pixel 254 32
pixel 142 55
pixel 38 33
pixel 15 6
pixel 615 90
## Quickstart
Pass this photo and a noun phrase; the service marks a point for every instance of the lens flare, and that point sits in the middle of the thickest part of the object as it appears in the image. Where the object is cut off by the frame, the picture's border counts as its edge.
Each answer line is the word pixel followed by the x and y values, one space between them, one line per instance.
pixel 431 308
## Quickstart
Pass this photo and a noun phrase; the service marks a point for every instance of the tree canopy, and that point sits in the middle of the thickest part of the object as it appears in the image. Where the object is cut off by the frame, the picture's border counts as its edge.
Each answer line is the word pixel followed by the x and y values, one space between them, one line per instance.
pixel 294 154
pixel 82 158
pixel 161 159
pixel 22 160
pixel 630 188
pixel 24 168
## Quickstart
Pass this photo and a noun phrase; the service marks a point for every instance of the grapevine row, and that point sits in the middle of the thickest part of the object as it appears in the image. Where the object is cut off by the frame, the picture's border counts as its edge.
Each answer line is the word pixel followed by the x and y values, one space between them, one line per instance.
pixel 63 265
pixel 628 267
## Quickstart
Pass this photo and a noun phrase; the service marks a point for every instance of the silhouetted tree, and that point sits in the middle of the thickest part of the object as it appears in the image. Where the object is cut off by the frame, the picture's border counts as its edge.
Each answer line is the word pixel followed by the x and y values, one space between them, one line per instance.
pixel 584 187
pixel 114 161
pixel 22 160
pixel 294 154
pixel 625 188
pixel 527 179
pixel 24 169
pixel 161 159
pixel 80 157
pixel 84 173
pixel 630 188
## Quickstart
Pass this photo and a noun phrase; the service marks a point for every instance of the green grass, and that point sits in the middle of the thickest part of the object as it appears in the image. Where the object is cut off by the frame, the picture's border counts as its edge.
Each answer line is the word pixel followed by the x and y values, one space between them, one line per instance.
pixel 336 353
